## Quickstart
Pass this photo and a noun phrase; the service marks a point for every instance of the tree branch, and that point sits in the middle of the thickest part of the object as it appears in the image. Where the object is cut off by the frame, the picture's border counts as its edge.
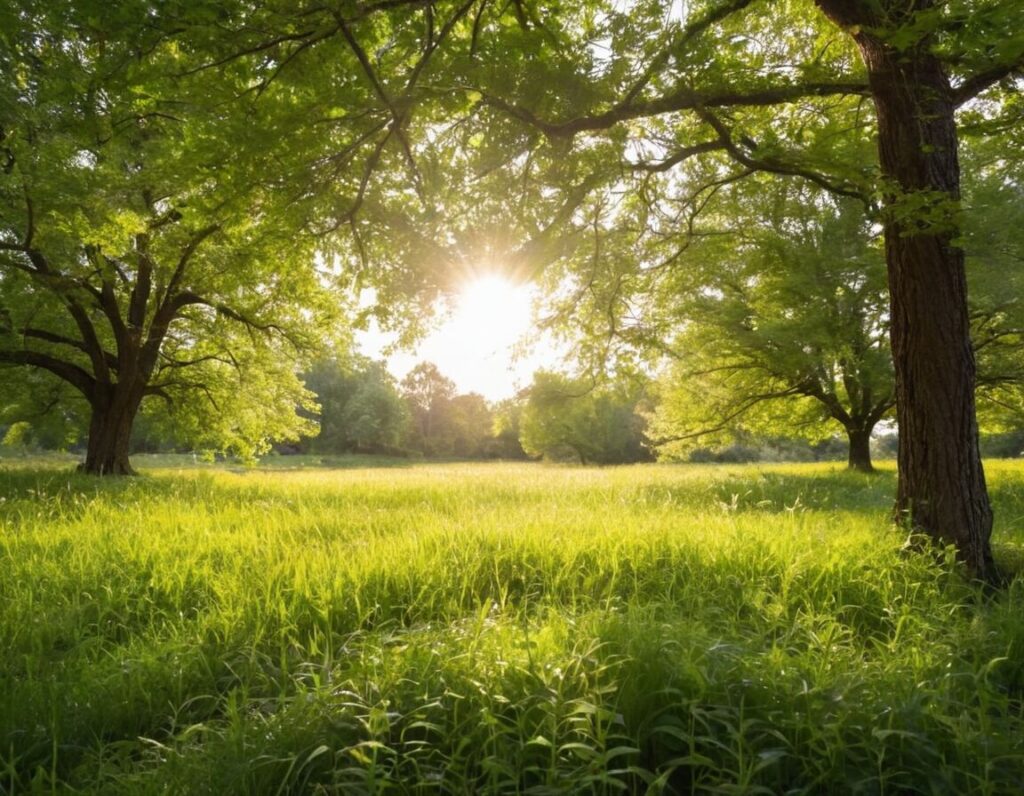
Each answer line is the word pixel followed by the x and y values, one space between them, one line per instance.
pixel 679 156
pixel 171 363
pixel 974 85
pixel 688 33
pixel 682 99
pixel 57 339
pixel 187 298
pixel 64 287
pixel 139 297
pixel 749 403
pixel 186 255
pixel 399 115
pixel 172 301
pixel 69 372
pixel 774 166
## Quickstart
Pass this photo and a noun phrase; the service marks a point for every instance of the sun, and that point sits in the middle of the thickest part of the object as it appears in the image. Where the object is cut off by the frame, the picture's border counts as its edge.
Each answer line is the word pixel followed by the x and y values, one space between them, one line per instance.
pixel 475 346
pixel 478 344
pixel 498 309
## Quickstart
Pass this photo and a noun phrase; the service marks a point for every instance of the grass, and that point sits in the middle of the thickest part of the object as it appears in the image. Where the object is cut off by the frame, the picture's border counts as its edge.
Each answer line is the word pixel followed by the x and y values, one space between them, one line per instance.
pixel 498 629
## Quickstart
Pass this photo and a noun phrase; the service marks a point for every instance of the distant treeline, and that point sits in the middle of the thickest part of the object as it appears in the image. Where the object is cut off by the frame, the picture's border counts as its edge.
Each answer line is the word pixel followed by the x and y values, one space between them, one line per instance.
pixel 363 409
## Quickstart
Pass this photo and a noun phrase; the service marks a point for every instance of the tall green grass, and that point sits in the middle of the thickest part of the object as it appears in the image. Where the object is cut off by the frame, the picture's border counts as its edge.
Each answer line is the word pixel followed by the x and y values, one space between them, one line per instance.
pixel 498 629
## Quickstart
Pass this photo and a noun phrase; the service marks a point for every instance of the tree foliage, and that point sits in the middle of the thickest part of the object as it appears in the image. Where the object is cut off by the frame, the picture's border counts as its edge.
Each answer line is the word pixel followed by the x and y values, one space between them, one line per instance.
pixel 781 306
pixel 993 239
pixel 567 418
pixel 608 97
pixel 147 252
pixel 361 409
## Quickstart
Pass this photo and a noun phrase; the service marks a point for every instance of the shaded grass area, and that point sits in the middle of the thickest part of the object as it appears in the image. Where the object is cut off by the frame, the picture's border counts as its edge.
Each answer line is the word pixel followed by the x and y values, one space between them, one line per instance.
pixel 498 628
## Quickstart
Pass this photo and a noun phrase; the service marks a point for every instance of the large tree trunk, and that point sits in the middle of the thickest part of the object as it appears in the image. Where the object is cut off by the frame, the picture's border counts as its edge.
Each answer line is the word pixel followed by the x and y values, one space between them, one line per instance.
pixel 110 431
pixel 860 450
pixel 941 489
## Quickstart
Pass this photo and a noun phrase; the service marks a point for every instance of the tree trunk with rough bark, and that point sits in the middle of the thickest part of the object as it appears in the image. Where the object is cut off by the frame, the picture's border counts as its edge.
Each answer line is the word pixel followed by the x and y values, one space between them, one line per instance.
pixel 110 430
pixel 941 491
pixel 860 450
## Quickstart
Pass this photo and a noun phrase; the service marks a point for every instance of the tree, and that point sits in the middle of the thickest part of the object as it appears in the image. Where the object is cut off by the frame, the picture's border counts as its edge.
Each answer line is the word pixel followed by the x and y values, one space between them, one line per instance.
pixel 781 306
pixel 376 416
pixel 445 423
pixel 361 409
pixel 505 430
pixel 429 394
pixel 138 259
pixel 570 418
pixel 993 240
pixel 941 487
pixel 779 92
pixel 49 412
pixel 472 426
pixel 333 382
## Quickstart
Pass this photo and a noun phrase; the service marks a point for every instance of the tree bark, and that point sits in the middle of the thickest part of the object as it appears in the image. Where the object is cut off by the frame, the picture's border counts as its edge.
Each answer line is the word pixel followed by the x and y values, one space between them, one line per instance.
pixel 110 430
pixel 860 450
pixel 941 491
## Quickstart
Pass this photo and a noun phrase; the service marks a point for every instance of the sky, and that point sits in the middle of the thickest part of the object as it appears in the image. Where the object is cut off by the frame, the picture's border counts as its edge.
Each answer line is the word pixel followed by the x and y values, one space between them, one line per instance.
pixel 479 344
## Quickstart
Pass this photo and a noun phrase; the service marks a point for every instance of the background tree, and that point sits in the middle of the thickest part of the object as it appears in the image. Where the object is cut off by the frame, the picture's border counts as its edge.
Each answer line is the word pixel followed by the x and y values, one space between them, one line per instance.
pixel 444 423
pixel 44 412
pixel 361 410
pixel 505 429
pixel 781 308
pixel 332 381
pixel 138 259
pixel 993 240
pixel 472 426
pixel 429 394
pixel 780 297
pixel 565 418
pixel 376 418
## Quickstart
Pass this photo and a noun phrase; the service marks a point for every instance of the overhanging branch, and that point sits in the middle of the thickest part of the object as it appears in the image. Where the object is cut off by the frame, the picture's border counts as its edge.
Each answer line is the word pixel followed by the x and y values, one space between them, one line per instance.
pixel 777 166
pixel 682 99
pixel 974 85
pixel 57 339
pixel 69 372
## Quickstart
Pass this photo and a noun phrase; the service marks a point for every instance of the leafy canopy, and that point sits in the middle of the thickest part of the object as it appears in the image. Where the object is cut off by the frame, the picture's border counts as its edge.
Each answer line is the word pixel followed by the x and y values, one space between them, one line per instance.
pixel 150 234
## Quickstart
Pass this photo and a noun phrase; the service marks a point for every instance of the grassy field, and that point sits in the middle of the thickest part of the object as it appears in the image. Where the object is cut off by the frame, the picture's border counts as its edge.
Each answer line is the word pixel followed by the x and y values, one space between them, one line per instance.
pixel 497 629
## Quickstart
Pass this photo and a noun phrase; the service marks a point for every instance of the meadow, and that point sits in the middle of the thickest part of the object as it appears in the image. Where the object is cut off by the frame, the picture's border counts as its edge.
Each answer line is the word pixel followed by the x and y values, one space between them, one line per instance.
pixel 498 628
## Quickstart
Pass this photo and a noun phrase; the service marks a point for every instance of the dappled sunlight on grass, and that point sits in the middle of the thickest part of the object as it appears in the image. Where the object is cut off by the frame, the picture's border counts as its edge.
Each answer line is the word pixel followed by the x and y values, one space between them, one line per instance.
pixel 498 627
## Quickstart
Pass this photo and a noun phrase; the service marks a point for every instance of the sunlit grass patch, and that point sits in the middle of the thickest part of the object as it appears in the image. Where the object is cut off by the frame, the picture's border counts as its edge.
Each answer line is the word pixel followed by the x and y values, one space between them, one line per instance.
pixel 497 628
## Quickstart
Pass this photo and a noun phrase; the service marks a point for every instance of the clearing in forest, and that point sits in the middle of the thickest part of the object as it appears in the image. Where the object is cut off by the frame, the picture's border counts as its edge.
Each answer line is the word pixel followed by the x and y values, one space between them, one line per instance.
pixel 498 628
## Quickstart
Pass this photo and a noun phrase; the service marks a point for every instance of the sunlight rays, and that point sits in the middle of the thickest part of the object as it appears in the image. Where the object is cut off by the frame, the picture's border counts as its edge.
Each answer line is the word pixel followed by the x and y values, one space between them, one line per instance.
pixel 485 341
